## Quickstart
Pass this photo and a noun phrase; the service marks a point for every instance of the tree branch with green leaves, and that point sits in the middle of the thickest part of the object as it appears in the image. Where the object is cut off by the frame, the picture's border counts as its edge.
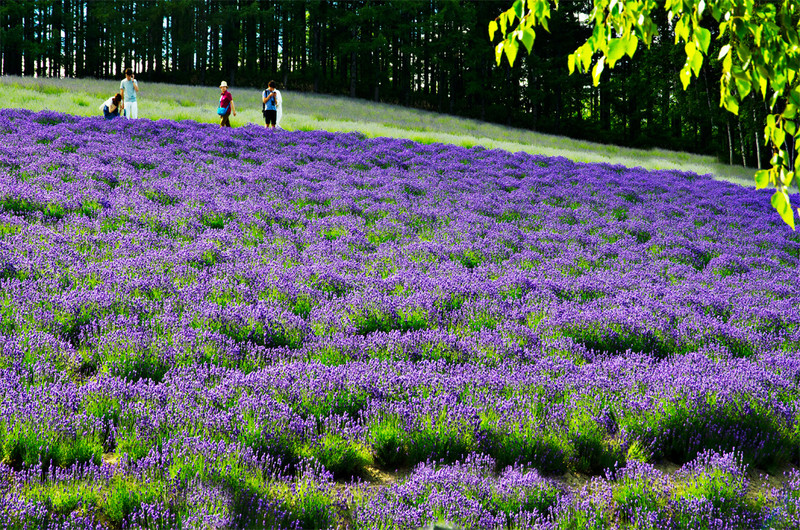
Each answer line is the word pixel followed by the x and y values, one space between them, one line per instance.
pixel 760 55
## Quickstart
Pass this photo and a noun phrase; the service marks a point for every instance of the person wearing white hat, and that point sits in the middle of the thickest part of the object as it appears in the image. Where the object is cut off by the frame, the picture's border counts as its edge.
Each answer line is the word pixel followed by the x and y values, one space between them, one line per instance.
pixel 226 105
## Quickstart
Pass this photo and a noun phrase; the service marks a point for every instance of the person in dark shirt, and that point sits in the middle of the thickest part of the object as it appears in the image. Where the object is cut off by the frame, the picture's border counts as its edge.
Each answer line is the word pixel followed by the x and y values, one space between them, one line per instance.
pixel 225 102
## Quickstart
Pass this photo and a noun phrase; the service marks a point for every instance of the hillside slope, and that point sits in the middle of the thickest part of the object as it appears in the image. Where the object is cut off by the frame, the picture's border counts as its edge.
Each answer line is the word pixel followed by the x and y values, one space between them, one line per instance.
pixel 314 112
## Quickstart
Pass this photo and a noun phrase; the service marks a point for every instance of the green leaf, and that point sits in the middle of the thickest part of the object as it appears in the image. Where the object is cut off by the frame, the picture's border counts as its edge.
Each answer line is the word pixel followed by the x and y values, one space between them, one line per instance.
pixel 757 36
pixel 792 36
pixel 778 136
pixel 631 43
pixel 744 53
pixel 790 111
pixel 543 22
pixel 598 70
pixel 771 121
pixel 739 28
pixel 615 51
pixel 571 63
pixel 763 71
pixel 768 10
pixel 586 52
pixel 732 105
pixel 511 47
pixel 743 87
pixel 528 36
pixel 682 29
pixel 727 63
pixel 738 73
pixel 697 63
pixel 519 9
pixel 790 127
pixel 780 201
pixel 686 76
pixel 779 80
pixel 762 179
pixel 492 29
pixel 724 51
pixel 690 50
pixel 773 100
pixel 703 37
pixel 498 51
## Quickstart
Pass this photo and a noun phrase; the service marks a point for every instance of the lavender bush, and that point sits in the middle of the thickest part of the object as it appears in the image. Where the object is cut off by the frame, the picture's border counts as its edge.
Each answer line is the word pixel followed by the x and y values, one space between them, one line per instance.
pixel 241 328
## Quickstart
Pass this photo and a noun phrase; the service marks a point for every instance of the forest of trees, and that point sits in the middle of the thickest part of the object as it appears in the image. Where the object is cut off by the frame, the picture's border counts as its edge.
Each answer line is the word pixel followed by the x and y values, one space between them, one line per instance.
pixel 430 54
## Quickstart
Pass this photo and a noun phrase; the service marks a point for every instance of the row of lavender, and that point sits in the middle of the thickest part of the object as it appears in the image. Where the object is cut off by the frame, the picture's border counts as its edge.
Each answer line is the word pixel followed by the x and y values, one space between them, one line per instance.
pixel 200 485
pixel 198 323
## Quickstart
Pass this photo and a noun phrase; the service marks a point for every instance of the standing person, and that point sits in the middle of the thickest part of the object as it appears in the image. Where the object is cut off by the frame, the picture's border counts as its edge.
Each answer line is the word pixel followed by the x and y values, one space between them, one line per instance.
pixel 128 87
pixel 110 107
pixel 279 104
pixel 270 108
pixel 226 105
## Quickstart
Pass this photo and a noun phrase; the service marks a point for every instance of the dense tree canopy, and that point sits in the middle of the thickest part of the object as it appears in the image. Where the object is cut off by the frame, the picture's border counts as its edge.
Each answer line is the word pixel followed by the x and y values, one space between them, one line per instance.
pixel 760 55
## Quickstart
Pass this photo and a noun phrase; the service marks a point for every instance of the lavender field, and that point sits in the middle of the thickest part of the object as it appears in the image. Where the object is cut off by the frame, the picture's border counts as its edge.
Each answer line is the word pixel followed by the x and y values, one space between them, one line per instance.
pixel 205 328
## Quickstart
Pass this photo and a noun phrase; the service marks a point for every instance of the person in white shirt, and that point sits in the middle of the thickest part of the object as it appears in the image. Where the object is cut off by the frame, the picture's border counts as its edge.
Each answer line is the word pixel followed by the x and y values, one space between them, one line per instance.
pixel 110 107
pixel 279 104
pixel 271 98
pixel 128 87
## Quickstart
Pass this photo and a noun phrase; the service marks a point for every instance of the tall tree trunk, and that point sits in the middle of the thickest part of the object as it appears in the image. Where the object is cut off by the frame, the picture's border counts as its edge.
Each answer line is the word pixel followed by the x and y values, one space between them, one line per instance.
pixel 157 31
pixel 323 44
pixel 730 142
pixel 315 47
pixel 202 41
pixel 230 43
pixel 377 65
pixel 286 45
pixel 44 24
pixel 711 110
pixel 353 73
pixel 741 143
pixel 250 52
pixel 300 32
pixel 605 107
pixel 758 144
pixel 28 43
pixel 355 41
pixel 69 35
pixel 93 48
pixel 80 40
pixel 274 44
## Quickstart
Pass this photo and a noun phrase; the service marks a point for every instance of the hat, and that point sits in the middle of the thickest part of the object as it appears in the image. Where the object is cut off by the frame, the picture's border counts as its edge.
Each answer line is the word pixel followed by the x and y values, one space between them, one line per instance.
pixel 223 84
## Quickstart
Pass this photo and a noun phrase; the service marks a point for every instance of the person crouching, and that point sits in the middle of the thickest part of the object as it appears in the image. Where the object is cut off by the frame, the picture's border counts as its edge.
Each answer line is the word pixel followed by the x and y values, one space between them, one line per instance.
pixel 110 107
